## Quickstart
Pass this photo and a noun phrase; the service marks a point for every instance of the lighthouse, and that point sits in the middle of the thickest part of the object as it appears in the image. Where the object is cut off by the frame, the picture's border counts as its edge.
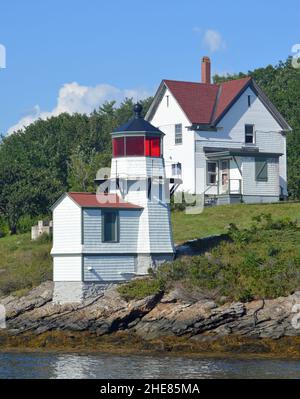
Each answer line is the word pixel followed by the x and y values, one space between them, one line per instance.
pixel 122 230
pixel 138 171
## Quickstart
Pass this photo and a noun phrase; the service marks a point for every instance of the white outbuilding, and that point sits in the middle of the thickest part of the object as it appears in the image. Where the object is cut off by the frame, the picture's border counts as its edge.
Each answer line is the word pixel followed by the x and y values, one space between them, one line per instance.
pixel 122 230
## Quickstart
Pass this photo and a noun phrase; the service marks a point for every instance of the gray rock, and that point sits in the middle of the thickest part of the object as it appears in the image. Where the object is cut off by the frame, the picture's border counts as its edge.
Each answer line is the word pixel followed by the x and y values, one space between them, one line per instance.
pixel 152 317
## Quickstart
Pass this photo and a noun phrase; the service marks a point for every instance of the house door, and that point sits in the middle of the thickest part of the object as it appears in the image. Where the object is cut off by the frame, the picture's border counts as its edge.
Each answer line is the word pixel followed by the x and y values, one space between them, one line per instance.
pixel 224 177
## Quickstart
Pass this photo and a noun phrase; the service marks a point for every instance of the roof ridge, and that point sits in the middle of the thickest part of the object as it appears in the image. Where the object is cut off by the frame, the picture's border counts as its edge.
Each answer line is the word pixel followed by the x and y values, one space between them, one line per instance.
pixel 188 81
pixel 236 80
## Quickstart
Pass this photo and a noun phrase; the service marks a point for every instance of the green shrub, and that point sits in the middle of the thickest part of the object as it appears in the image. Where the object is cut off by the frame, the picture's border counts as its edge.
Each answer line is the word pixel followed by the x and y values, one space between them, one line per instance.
pixel 44 238
pixel 262 261
pixel 4 228
pixel 140 288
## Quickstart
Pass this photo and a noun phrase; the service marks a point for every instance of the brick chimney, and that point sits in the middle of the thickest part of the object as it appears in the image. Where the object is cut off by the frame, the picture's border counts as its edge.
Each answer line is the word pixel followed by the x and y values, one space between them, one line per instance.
pixel 205 70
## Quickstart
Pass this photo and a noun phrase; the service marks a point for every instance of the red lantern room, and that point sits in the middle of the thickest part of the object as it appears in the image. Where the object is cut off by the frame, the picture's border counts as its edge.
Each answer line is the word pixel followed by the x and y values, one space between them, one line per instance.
pixel 137 138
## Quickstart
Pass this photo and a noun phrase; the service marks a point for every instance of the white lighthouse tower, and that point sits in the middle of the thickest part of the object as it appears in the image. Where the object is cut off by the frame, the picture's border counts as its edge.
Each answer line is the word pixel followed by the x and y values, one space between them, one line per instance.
pixel 138 176
pixel 121 231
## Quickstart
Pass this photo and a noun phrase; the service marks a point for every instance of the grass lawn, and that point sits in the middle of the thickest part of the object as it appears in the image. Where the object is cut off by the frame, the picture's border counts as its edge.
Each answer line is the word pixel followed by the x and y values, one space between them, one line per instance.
pixel 23 263
pixel 214 220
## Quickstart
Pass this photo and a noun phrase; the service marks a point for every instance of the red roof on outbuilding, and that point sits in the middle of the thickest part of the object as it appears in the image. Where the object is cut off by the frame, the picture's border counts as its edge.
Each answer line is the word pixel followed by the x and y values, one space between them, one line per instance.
pixel 92 200
pixel 204 103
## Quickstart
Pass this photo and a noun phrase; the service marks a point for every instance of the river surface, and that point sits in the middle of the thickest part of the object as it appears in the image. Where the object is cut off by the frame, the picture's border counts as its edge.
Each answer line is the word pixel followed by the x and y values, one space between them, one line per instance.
pixel 57 365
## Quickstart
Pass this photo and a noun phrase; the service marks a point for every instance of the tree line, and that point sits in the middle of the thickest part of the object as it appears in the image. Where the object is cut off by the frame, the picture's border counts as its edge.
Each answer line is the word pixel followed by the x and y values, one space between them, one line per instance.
pixel 63 153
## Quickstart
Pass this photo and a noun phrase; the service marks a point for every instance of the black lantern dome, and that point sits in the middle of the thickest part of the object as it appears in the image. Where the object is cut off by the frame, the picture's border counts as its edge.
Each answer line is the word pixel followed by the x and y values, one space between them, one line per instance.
pixel 137 123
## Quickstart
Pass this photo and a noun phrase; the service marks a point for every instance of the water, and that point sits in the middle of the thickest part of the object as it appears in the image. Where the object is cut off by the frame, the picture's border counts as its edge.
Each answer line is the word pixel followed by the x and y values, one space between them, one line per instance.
pixel 57 365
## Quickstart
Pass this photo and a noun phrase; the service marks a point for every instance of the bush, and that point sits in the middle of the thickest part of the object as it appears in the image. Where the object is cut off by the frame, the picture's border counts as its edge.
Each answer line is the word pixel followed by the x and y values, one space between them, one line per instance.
pixel 44 238
pixel 4 228
pixel 262 261
pixel 140 288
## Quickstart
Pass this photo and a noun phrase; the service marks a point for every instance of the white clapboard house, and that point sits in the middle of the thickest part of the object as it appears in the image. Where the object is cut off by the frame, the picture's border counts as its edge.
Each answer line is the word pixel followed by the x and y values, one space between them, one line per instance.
pixel 122 230
pixel 225 140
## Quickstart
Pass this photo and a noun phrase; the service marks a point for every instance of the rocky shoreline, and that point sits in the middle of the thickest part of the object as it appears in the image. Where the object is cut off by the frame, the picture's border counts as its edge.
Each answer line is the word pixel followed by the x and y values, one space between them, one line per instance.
pixel 160 323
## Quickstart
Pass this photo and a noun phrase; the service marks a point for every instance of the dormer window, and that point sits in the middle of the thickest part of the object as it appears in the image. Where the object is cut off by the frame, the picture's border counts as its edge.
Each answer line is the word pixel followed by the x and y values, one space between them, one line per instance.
pixel 249 134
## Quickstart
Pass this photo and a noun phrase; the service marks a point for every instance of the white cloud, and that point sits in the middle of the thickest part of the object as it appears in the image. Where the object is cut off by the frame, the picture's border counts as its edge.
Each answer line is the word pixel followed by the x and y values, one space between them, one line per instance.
pixel 213 40
pixel 72 97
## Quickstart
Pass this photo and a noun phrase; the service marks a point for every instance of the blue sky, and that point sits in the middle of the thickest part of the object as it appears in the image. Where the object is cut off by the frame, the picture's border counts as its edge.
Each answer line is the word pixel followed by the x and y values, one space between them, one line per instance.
pixel 73 55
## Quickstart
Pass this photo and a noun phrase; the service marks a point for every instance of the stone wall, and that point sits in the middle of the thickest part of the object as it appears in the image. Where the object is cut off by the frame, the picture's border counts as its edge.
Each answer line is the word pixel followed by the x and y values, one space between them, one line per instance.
pixel 77 291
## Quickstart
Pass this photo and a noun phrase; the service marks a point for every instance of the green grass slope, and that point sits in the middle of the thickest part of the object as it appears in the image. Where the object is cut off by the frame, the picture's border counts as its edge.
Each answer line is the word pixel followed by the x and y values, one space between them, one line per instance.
pixel 261 261
pixel 23 263
pixel 215 220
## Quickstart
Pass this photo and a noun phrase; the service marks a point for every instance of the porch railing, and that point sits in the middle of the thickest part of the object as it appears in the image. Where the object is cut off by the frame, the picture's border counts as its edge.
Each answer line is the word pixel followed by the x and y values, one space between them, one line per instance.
pixel 234 186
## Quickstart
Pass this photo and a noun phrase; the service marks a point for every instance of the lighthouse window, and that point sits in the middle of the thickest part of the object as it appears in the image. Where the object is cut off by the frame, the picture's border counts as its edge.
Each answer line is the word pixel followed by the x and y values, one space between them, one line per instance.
pixel 118 147
pixel 152 147
pixel 135 146
pixel 110 230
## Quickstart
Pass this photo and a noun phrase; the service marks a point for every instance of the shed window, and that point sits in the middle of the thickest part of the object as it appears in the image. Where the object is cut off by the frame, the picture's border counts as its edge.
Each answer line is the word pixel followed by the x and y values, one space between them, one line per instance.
pixel 249 134
pixel 135 146
pixel 178 133
pixel 261 169
pixel 118 147
pixel 212 172
pixel 110 229
pixel 152 147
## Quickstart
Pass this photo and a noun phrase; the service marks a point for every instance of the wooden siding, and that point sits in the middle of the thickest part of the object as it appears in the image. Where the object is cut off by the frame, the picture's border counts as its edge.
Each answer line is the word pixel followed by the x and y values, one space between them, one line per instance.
pixel 263 188
pixel 137 167
pixel 92 232
pixel 66 227
pixel 167 115
pixel 67 268
pixel 108 268
pixel 160 228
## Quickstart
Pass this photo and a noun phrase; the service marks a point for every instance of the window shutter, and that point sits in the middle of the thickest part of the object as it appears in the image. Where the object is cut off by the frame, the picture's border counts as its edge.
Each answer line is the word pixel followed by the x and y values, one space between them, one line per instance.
pixel 261 170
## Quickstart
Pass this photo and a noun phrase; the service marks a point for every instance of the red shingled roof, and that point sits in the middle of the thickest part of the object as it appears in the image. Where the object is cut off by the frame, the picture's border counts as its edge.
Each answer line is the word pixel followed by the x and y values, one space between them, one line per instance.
pixel 204 103
pixel 92 200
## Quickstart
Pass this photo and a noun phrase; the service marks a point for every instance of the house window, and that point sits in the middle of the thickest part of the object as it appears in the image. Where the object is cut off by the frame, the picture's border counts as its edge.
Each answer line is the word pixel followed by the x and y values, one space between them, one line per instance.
pixel 176 169
pixel 249 134
pixel 249 101
pixel 261 169
pixel 212 172
pixel 110 223
pixel 178 133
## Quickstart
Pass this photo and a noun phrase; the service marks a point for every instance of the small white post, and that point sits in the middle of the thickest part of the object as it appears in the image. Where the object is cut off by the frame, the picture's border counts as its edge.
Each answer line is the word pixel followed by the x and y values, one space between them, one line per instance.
pixel 2 317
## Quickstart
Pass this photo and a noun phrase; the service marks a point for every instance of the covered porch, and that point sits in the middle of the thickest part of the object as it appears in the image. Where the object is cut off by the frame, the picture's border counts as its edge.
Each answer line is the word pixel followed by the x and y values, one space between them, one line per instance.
pixel 223 177
pixel 235 175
